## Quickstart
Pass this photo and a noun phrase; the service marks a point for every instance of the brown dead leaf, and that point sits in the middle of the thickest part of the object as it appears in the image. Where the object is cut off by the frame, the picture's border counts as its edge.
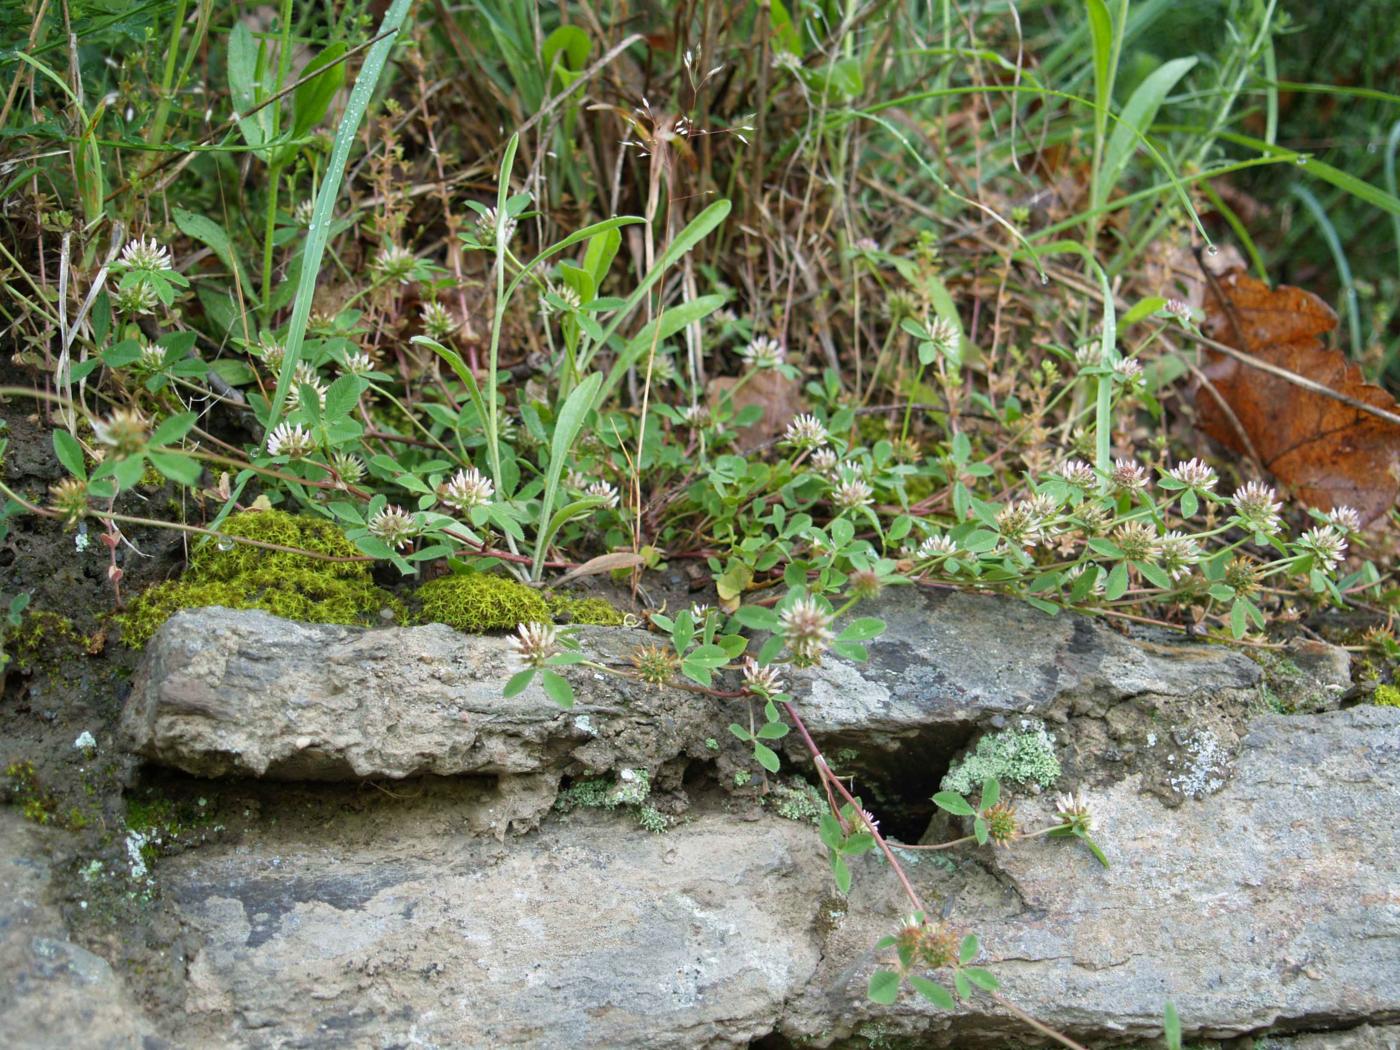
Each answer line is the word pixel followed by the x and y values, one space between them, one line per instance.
pixel 779 397
pixel 1328 452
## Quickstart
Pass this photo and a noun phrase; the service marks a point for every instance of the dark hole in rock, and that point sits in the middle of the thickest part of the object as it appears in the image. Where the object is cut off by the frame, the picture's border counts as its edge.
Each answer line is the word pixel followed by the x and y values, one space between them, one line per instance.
pixel 897 783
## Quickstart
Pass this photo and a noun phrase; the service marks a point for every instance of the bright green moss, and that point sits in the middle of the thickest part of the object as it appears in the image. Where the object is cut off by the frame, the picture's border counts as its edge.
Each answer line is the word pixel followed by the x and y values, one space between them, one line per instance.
pixel 599 612
pixel 1012 756
pixel 42 637
pixel 476 602
pixel 289 585
pixel 1386 696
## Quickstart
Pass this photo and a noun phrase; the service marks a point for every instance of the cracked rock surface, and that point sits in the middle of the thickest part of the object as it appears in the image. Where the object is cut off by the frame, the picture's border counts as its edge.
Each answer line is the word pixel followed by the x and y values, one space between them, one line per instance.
pixel 458 909
pixel 245 693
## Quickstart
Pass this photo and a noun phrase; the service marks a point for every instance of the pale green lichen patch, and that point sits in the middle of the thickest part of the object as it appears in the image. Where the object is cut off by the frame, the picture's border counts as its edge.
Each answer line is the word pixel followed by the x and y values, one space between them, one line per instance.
pixel 284 583
pixel 629 789
pixel 796 800
pixel 1021 755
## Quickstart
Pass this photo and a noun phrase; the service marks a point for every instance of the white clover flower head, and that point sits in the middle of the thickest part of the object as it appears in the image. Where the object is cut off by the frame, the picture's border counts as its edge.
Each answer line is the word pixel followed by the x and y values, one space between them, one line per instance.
pixel 805 432
pixel 1178 554
pixel 358 364
pixel 394 525
pixel 937 546
pixel 1077 473
pixel 696 416
pixel 303 212
pixel 1129 476
pixel 1021 524
pixel 824 461
pixel 124 431
pixel 663 369
pixel 1138 541
pixel 699 612
pixel 786 60
pixel 1194 474
pixel 152 356
pixel 70 498
pixel 304 375
pixel 351 469
pixel 1344 519
pixel 1074 811
pixel 766 681
pixel 486 229
pixel 139 298
pixel 467 489
pixel 577 480
pixel 271 353
pixel 1127 370
pixel 1098 587
pixel 806 627
pixel 565 294
pixel 1043 505
pixel 870 820
pixel 762 352
pixel 1257 508
pixel 866 244
pixel 852 491
pixel 1326 545
pixel 943 334
pixel 604 491
pixel 1179 309
pixel 146 254
pixel 85 742
pixel 438 321
pixel 535 643
pixel 395 263
pixel 290 439
pixel 1087 354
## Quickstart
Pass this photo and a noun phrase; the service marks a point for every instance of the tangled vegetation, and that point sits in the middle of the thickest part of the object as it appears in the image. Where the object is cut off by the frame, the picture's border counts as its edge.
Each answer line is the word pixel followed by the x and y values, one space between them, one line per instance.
pixel 415 316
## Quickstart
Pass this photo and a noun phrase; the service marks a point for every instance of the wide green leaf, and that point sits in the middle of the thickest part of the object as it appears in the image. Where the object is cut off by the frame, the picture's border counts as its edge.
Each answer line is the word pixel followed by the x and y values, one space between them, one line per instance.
pixel 884 987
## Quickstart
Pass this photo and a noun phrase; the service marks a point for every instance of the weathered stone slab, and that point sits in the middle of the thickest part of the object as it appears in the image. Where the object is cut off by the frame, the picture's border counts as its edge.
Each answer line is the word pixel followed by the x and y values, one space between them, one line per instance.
pixel 590 934
pixel 54 993
pixel 1272 904
pixel 948 658
pixel 245 693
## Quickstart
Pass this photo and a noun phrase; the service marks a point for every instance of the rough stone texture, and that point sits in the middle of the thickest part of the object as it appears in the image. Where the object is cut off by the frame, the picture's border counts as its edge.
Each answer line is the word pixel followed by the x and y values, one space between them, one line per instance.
pixel 52 992
pixel 1366 1037
pixel 1271 904
pixel 589 934
pixel 948 658
pixel 246 693
pixel 950 665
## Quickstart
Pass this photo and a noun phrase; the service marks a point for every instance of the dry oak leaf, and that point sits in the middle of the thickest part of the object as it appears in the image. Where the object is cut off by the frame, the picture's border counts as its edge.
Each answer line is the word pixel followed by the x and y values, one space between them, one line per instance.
pixel 1327 452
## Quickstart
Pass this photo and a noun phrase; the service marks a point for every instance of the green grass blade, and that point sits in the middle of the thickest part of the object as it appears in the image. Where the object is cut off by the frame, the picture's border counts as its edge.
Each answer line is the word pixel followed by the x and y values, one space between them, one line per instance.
pixel 318 235
pixel 566 429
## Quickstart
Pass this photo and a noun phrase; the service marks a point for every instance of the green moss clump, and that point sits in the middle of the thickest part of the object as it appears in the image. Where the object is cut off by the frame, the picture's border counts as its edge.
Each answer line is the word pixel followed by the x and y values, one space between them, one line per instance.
pixel 1386 696
pixel 1014 756
pixel 42 638
pixel 293 586
pixel 21 788
pixel 599 612
pixel 476 602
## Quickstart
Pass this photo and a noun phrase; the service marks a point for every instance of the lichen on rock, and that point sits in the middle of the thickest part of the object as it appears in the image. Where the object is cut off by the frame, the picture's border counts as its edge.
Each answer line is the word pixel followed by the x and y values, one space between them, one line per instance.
pixel 282 582
pixel 1021 755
